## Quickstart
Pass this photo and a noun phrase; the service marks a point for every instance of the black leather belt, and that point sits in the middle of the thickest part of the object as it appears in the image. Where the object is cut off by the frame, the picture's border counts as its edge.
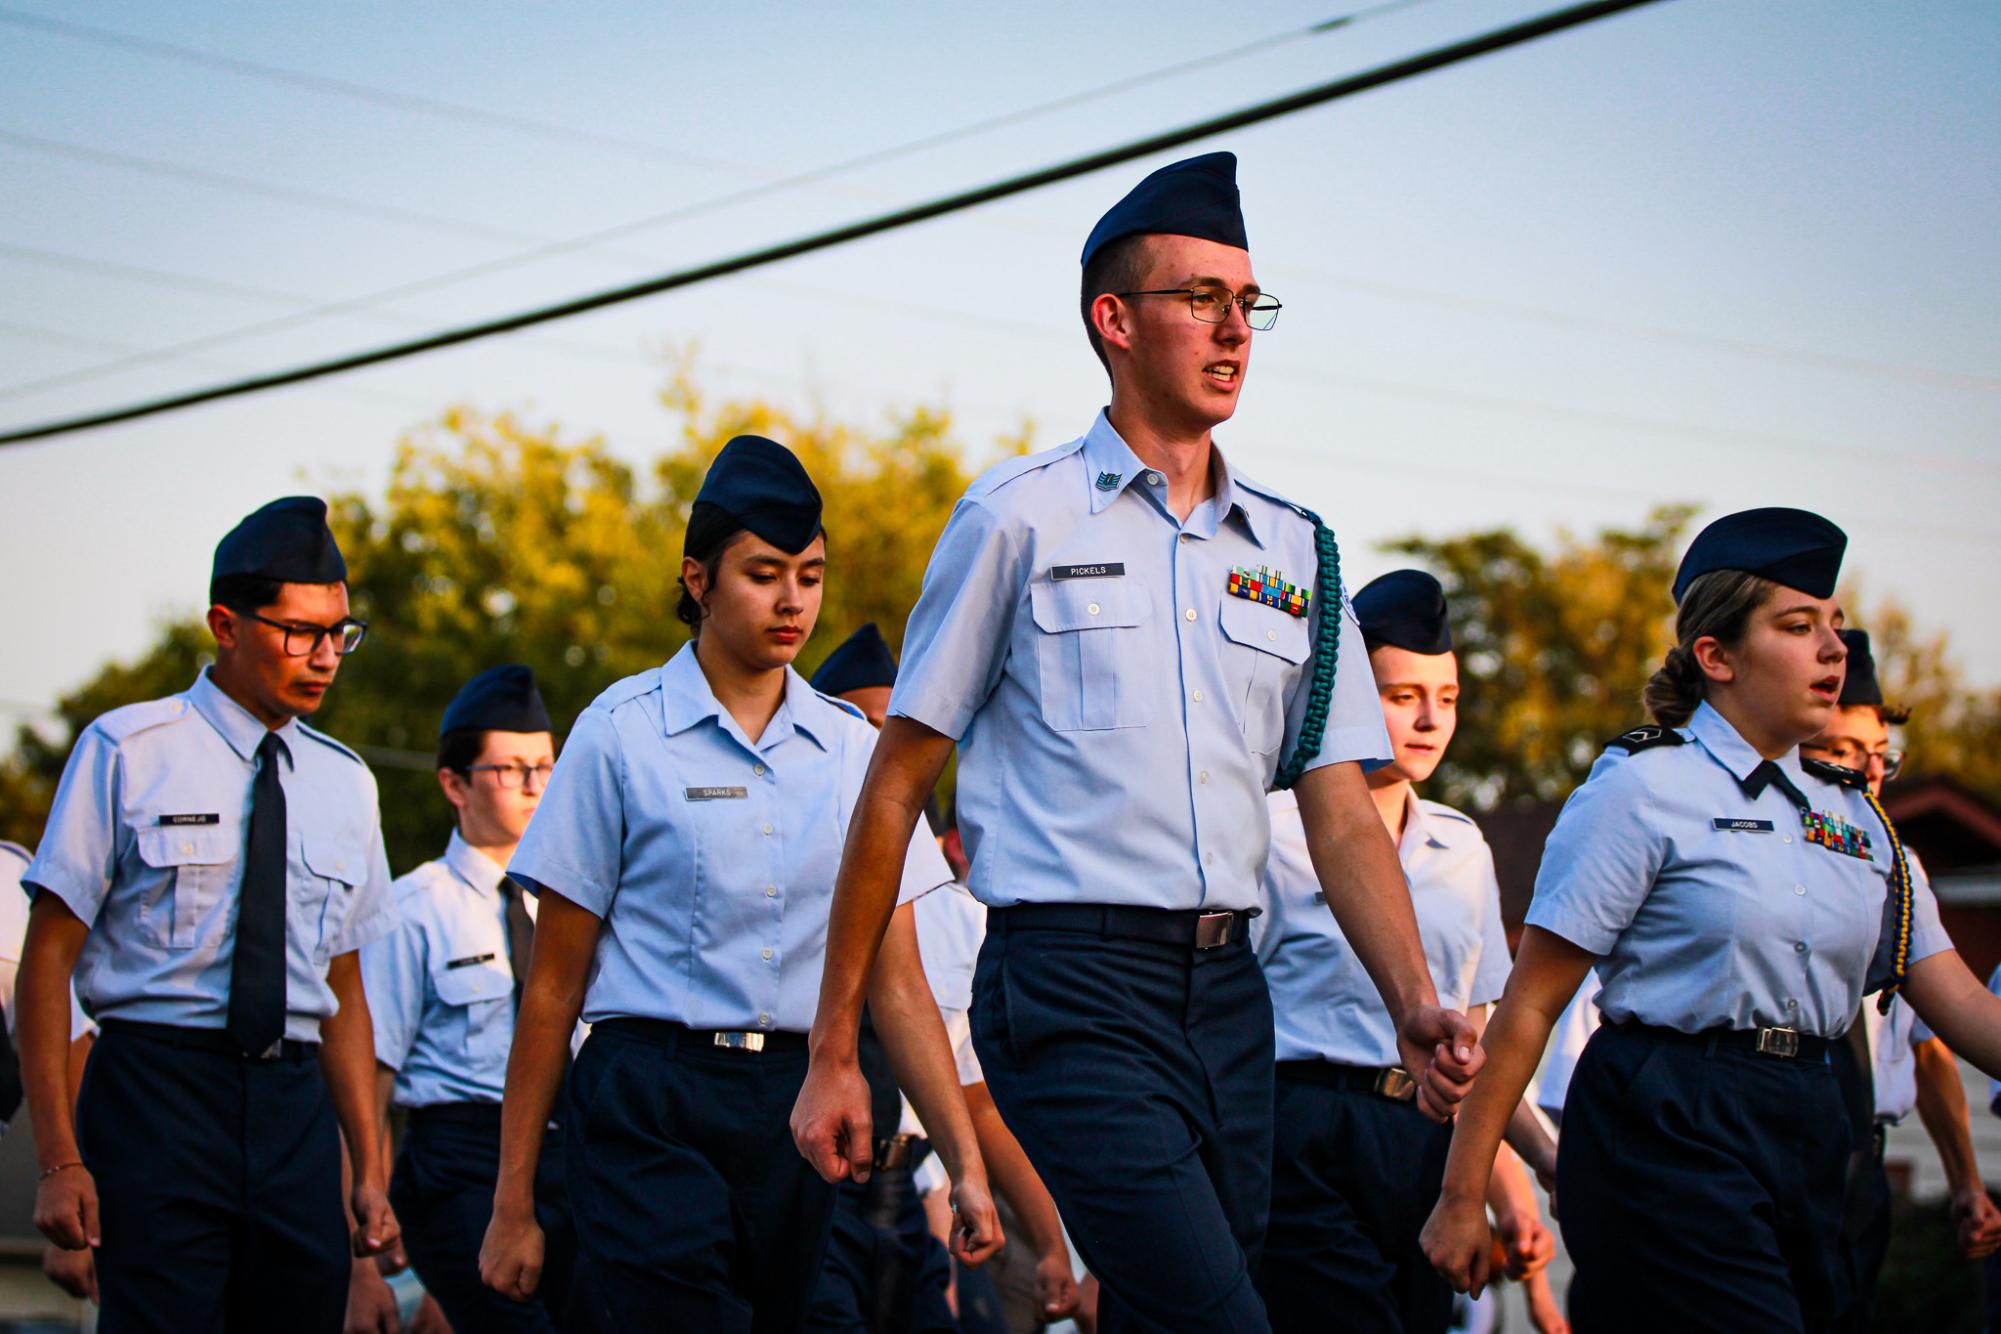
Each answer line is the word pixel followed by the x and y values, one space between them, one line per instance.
pixel 665 1033
pixel 1784 1044
pixel 1392 1082
pixel 1189 928
pixel 478 1115
pixel 900 1152
pixel 212 1040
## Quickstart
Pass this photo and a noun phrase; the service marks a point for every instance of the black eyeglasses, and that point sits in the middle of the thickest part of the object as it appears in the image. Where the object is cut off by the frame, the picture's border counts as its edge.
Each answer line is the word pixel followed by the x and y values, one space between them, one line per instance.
pixel 302 641
pixel 1211 305
pixel 516 775
pixel 1852 755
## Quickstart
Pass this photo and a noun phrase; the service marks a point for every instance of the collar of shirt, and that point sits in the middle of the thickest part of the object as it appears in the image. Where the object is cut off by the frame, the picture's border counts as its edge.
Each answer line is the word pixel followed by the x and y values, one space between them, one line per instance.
pixel 474 867
pixel 235 723
pixel 1729 749
pixel 686 700
pixel 1420 827
pixel 1106 454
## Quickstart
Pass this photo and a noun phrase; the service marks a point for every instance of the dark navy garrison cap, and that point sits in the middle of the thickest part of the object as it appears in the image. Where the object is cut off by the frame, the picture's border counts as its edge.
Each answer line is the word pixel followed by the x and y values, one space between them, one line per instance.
pixel 863 660
pixel 1404 609
pixel 287 540
pixel 1791 547
pixel 499 699
pixel 1194 197
pixel 763 486
pixel 1860 685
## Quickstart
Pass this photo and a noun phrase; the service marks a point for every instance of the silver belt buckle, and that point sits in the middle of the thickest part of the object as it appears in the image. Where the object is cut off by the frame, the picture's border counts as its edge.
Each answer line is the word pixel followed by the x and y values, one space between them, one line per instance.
pixel 1396 1084
pixel 1783 1042
pixel 741 1041
pixel 1213 929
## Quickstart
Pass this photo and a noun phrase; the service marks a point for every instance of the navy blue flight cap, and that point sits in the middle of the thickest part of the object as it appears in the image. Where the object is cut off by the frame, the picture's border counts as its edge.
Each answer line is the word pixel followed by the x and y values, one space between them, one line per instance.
pixel 1791 547
pixel 1194 197
pixel 1404 609
pixel 764 487
pixel 499 699
pixel 862 661
pixel 1860 685
pixel 287 540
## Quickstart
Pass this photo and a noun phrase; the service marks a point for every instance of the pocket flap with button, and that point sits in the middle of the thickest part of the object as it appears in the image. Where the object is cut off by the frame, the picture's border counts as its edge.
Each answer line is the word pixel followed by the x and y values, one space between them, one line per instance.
pixel 469 983
pixel 189 845
pixel 335 859
pixel 1266 629
pixel 1087 604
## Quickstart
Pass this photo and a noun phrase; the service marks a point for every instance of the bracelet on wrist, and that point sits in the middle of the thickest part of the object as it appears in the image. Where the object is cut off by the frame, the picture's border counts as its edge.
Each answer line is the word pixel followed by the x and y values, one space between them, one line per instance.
pixel 48 1172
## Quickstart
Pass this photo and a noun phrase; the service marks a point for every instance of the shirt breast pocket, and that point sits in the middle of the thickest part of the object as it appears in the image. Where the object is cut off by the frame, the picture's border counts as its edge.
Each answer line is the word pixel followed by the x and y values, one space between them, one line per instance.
pixel 1091 653
pixel 476 985
pixel 334 867
pixel 197 862
pixel 1266 646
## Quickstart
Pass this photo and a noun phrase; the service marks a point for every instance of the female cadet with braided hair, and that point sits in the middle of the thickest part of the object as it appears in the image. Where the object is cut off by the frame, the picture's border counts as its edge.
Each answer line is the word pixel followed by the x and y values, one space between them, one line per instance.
pixel 1737 902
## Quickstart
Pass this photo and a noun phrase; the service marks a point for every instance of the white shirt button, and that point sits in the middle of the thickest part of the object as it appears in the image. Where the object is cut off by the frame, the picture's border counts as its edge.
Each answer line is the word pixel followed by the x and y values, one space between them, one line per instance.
pixel 1208 859
pixel 764 1021
pixel 1189 614
pixel 1198 697
pixel 1093 609
pixel 1184 537
pixel 767 954
pixel 1792 1005
pixel 771 891
pixel 1205 776
pixel 1800 948
pixel 187 847
pixel 1271 635
pixel 1789 838
pixel 1153 479
pixel 767 831
pixel 757 769
pixel 1799 889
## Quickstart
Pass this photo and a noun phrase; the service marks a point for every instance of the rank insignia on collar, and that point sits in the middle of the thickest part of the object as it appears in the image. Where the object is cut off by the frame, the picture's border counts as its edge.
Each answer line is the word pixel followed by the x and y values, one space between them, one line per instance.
pixel 1836 834
pixel 1267 587
pixel 1109 481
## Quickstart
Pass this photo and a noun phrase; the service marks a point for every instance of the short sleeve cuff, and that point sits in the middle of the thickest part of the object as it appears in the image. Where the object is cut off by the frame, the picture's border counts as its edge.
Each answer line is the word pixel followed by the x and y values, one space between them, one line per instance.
pixel 75 891
pixel 1559 920
pixel 1344 745
pixel 539 877
pixel 366 931
pixel 945 716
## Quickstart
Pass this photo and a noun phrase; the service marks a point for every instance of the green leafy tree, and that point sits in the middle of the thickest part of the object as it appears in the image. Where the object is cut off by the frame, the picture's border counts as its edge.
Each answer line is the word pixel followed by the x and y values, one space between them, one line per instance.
pixel 496 541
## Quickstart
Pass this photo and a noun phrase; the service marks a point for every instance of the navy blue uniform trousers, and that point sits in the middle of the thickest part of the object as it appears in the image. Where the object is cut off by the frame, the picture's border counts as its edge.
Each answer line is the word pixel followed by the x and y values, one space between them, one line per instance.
pixel 1701 1187
pixel 442 1192
pixel 693 1208
pixel 218 1185
pixel 1138 1078
pixel 884 1272
pixel 1354 1176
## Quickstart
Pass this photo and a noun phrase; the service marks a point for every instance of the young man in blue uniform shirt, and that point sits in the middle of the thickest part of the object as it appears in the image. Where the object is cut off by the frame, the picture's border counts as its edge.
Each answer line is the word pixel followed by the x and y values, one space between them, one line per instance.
pixel 1120 635
pixel 210 868
pixel 442 988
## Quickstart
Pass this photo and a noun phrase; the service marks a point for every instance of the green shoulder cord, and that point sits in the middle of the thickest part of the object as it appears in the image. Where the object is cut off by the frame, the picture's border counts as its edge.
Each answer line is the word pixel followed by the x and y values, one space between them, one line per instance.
pixel 1326 650
pixel 1900 886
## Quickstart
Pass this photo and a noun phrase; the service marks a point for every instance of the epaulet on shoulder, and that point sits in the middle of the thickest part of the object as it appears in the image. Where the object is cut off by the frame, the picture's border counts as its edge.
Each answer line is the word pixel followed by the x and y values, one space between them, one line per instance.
pixel 1836 773
pixel 135 718
pixel 627 688
pixel 1646 738
pixel 1007 470
pixel 332 744
pixel 842 705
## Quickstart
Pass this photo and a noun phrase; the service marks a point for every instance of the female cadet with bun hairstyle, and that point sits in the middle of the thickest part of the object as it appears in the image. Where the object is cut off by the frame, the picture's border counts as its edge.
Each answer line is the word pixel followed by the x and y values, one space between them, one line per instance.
pixel 1738 902
pixel 684 854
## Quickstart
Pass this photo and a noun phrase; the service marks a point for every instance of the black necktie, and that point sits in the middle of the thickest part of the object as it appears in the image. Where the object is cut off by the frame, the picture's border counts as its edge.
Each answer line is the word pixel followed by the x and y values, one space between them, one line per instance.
pixel 1768 774
pixel 520 933
pixel 257 973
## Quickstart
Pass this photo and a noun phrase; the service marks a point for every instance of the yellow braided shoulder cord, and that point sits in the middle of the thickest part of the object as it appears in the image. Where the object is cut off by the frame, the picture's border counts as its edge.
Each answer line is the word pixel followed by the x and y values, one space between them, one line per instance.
pixel 1900 886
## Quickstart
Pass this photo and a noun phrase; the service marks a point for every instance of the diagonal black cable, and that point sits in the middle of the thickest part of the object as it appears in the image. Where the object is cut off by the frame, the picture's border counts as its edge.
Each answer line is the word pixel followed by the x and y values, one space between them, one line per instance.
pixel 1347 86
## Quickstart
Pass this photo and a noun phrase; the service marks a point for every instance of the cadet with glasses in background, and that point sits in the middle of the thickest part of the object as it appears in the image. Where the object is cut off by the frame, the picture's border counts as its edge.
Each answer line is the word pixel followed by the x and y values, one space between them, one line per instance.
pixel 211 867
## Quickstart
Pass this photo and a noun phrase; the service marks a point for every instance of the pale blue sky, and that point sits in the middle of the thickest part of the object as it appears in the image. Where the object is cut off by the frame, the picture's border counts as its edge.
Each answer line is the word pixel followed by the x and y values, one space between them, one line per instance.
pixel 1729 253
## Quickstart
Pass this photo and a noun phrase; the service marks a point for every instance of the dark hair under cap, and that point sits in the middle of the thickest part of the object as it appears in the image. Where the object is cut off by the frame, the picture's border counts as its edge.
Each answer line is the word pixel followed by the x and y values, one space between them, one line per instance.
pixel 1194 197
pixel 1787 546
pixel 1404 609
pixel 499 699
pixel 862 661
pixel 762 485
pixel 287 541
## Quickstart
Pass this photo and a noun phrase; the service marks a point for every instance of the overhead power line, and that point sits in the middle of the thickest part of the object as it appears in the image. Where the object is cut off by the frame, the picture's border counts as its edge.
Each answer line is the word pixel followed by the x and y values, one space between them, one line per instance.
pixel 1347 86
pixel 597 240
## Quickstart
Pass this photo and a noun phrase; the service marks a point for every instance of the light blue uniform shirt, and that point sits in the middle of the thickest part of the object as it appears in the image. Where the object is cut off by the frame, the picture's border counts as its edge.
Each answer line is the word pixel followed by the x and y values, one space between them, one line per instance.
pixel 1324 1007
pixel 145 844
pixel 711 858
pixel 1704 926
pixel 1119 714
pixel 1893 1056
pixel 441 985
